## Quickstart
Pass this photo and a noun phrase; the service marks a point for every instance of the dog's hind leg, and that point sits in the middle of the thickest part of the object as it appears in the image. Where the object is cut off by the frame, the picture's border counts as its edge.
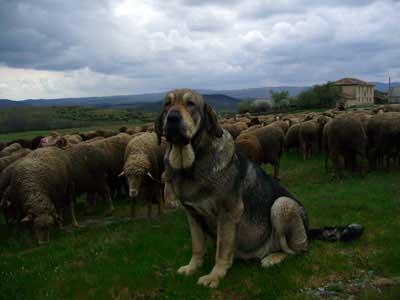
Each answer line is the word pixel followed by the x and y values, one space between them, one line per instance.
pixel 288 222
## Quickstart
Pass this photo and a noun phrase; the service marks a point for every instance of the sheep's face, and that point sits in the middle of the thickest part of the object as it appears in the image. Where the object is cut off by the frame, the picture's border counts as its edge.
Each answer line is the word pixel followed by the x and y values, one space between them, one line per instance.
pixel 54 140
pixel 136 180
pixel 183 114
pixel 41 225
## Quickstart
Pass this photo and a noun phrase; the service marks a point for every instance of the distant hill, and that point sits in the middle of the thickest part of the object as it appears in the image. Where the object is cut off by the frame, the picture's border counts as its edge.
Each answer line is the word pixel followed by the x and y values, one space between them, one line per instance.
pixel 219 99
pixel 384 87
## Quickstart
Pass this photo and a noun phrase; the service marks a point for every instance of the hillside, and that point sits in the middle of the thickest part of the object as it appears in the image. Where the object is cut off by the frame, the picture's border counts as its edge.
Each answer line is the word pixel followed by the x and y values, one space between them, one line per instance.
pixel 220 99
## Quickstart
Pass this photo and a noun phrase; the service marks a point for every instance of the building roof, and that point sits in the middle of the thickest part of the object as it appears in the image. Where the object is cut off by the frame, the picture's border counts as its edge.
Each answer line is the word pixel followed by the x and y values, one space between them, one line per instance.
pixel 352 81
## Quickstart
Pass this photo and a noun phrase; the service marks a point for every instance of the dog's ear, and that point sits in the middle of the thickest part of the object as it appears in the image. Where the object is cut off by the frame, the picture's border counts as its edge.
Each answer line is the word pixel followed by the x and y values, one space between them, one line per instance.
pixel 158 126
pixel 211 121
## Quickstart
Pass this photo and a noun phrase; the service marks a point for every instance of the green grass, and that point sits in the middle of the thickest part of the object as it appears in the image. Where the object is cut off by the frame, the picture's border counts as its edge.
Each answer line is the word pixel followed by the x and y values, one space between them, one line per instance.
pixel 138 260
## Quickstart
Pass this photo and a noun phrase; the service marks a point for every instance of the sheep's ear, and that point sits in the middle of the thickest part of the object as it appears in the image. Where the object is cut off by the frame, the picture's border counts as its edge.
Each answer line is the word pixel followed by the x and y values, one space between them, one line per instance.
pixel 211 121
pixel 122 174
pixel 28 218
pixel 149 175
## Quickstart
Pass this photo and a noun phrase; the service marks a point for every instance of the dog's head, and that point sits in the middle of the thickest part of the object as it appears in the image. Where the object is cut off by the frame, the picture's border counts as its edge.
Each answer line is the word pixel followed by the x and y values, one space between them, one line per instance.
pixel 183 115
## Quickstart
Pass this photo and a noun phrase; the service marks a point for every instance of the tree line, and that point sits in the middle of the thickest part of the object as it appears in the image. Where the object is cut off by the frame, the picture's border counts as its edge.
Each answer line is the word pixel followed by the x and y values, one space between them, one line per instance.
pixel 319 96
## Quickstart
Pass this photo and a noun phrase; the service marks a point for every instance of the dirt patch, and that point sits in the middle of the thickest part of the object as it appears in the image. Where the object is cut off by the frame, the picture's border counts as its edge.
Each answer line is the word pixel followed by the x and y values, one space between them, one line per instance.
pixel 362 286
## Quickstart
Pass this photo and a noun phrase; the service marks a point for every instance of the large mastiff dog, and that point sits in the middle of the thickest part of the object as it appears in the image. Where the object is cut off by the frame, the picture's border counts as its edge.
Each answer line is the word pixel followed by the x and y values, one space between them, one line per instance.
pixel 226 196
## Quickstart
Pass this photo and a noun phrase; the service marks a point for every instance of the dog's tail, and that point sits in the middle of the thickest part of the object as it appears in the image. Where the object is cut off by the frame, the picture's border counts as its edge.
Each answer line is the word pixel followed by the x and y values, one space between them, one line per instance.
pixel 337 234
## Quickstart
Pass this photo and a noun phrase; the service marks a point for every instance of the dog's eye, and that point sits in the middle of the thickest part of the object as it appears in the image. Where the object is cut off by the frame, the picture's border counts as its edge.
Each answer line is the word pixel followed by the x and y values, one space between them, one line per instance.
pixel 190 103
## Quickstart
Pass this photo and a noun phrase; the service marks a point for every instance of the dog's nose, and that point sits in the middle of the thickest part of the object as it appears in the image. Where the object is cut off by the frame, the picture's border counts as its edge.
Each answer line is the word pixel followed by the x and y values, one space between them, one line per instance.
pixel 174 117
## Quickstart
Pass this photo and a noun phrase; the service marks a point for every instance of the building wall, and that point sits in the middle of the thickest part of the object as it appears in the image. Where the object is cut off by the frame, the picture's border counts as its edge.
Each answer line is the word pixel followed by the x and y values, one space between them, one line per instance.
pixel 361 94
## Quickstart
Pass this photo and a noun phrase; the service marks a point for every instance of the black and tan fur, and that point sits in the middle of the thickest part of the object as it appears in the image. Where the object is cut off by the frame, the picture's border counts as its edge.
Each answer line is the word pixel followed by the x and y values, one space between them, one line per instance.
pixel 226 196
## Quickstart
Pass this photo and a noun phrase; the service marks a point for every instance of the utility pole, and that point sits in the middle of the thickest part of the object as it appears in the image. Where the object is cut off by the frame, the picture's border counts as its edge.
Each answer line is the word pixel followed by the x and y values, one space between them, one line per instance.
pixel 389 90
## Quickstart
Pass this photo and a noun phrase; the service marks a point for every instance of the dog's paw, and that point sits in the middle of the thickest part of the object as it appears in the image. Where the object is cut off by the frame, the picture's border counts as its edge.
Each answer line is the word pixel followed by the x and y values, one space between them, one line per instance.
pixel 186 270
pixel 209 280
pixel 272 259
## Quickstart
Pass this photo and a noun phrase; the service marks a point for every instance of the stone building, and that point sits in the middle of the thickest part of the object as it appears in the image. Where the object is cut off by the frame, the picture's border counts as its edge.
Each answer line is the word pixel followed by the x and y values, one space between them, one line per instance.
pixel 394 94
pixel 355 92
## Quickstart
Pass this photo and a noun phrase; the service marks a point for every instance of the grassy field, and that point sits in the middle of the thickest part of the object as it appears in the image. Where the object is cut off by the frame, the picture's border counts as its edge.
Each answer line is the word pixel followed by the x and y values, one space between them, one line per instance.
pixel 138 260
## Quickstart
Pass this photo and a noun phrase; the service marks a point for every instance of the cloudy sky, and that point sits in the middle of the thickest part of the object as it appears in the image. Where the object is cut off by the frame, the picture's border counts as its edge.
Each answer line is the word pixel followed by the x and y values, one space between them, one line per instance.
pixel 57 48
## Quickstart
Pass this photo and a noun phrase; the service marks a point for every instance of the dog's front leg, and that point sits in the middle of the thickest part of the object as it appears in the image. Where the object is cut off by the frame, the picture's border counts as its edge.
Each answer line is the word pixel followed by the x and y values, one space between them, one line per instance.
pixel 228 221
pixel 198 247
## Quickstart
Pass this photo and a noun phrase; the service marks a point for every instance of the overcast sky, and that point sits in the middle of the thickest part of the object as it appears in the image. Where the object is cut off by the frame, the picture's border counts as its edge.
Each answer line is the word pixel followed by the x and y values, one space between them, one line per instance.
pixel 75 48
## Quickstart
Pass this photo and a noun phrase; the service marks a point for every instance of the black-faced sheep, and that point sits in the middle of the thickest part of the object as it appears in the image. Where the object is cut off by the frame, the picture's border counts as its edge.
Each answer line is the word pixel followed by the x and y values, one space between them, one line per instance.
pixel 143 169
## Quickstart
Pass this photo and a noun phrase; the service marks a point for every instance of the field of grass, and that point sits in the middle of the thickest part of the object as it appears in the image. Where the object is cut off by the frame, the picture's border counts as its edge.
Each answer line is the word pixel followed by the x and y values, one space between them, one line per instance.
pixel 24 121
pixel 138 260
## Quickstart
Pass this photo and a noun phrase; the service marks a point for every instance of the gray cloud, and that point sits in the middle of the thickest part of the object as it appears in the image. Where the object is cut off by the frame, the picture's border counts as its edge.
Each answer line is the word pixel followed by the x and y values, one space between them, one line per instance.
pixel 139 46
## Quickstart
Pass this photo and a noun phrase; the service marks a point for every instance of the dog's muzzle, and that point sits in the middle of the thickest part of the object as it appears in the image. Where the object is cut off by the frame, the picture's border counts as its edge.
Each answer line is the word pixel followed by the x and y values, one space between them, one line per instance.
pixel 175 129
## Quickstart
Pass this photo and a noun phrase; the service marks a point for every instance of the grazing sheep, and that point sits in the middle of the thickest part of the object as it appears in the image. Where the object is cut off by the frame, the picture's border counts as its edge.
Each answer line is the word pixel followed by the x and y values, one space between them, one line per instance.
pixel 8 160
pixel 143 169
pixel 292 139
pixel 38 188
pixel 271 138
pixel 310 135
pixel 383 132
pixel 345 142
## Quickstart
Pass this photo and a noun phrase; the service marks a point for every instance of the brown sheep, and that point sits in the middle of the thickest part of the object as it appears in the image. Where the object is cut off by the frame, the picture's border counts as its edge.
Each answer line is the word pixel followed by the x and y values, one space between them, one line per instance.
pixel 8 160
pixel 39 188
pixel 106 132
pixel 284 125
pixel 235 129
pixel 10 149
pixel 88 135
pixel 292 139
pixel 344 142
pixel 60 141
pixel 271 138
pixel 383 132
pixel 310 135
pixel 143 169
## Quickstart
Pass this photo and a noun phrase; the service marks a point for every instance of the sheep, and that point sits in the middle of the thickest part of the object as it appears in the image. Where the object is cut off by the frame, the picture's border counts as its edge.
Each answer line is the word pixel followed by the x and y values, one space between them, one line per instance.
pixel 106 132
pixel 8 160
pixel 344 140
pixel 143 169
pixel 60 141
pixel 38 189
pixel 383 133
pixel 10 149
pixel 269 148
pixel 235 129
pixel 292 139
pixel 310 135
pixel 88 135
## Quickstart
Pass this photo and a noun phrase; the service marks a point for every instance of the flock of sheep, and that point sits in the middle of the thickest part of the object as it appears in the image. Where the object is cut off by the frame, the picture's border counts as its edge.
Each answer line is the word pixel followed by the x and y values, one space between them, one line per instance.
pixel 41 178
